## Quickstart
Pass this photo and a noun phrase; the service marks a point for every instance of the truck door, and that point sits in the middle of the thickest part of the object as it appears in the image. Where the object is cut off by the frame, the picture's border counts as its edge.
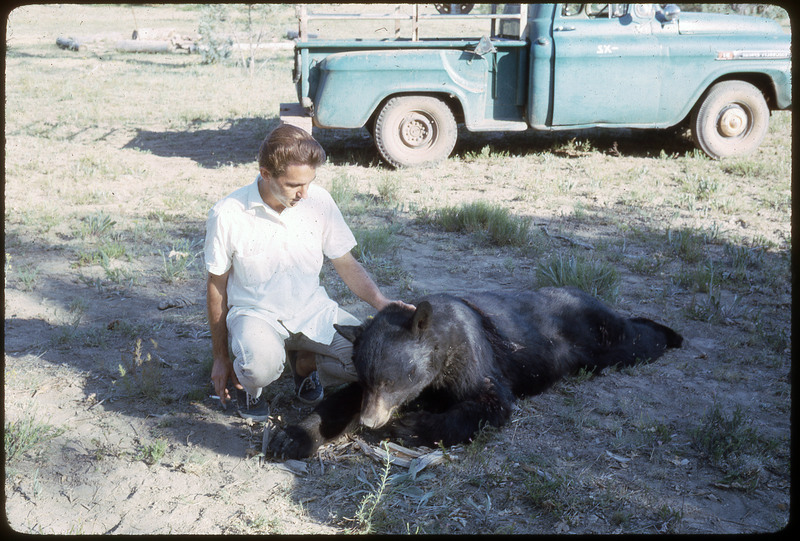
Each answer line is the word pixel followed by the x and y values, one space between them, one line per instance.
pixel 607 65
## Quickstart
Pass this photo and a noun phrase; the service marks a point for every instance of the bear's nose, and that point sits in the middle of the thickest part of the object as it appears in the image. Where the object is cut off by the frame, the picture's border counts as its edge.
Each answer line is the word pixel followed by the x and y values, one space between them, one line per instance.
pixel 375 412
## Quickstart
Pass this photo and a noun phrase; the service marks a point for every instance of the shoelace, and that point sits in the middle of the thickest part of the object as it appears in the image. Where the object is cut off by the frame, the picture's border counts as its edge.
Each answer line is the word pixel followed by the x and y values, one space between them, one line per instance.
pixel 307 382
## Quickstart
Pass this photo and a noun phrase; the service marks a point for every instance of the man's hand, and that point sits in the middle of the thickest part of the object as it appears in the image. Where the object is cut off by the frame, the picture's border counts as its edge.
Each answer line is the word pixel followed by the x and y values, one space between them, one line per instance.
pixel 221 371
pixel 384 302
pixel 403 305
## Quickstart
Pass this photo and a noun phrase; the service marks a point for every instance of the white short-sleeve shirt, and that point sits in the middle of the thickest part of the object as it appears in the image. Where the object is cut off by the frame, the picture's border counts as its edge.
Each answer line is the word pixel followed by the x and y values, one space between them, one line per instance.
pixel 275 259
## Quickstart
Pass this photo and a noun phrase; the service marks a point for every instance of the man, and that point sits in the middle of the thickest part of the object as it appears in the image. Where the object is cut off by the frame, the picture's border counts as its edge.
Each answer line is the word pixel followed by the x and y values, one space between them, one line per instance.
pixel 264 250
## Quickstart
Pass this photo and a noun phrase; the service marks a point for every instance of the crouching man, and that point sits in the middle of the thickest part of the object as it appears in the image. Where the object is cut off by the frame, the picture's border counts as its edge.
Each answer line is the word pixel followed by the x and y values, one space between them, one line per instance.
pixel 264 250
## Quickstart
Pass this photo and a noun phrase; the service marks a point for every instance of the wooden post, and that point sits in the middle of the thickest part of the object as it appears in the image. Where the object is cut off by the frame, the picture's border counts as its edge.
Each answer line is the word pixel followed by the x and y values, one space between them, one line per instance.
pixel 415 24
pixel 303 22
pixel 523 21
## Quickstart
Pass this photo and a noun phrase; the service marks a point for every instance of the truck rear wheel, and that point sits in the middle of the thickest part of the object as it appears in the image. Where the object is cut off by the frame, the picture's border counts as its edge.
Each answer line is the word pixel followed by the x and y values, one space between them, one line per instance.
pixel 415 130
pixel 732 120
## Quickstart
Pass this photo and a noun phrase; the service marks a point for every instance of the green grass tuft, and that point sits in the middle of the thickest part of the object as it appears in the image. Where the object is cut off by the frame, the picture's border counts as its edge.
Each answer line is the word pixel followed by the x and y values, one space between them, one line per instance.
pixel 26 434
pixel 593 276
pixel 152 453
pixel 721 436
pixel 494 225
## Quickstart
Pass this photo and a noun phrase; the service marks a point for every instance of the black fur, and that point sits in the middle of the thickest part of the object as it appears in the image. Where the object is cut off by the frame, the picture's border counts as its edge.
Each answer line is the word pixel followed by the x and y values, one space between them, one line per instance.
pixel 456 364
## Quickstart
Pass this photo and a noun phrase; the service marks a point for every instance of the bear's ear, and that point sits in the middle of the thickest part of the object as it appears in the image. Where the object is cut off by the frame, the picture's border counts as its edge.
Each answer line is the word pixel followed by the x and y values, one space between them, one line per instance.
pixel 422 318
pixel 351 332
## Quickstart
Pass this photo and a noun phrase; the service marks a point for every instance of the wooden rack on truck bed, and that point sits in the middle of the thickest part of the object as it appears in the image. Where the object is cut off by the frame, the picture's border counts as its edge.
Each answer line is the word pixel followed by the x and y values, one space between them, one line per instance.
pixel 518 13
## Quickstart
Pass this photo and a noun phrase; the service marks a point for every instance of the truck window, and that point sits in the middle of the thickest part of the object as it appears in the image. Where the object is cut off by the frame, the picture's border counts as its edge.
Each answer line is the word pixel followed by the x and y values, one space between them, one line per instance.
pixel 570 10
pixel 606 10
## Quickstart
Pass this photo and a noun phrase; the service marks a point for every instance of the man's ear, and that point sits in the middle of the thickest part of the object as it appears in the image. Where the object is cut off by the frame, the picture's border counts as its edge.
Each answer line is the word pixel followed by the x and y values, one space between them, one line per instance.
pixel 422 318
pixel 350 332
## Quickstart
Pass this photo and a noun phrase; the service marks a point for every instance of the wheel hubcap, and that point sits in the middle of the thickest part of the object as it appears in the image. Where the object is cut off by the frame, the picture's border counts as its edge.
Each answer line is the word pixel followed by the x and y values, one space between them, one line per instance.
pixel 416 130
pixel 732 121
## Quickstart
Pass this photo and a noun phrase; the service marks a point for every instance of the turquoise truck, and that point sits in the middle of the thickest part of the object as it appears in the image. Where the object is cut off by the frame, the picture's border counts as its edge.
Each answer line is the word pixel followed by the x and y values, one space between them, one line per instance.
pixel 547 67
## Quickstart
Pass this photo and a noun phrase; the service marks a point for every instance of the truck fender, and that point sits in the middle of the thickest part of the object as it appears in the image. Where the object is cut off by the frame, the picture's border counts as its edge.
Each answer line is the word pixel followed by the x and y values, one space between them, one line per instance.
pixel 347 96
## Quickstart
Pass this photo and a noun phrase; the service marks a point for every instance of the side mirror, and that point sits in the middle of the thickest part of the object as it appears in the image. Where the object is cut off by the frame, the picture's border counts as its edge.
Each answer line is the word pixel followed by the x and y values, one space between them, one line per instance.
pixel 671 12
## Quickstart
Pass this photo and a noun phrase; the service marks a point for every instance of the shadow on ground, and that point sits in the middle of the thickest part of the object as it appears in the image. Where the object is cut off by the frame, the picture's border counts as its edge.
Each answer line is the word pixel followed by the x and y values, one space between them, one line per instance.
pixel 237 141
pixel 234 142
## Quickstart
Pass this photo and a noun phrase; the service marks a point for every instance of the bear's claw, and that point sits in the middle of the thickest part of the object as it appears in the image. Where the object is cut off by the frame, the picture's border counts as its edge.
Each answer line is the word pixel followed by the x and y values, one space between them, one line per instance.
pixel 290 442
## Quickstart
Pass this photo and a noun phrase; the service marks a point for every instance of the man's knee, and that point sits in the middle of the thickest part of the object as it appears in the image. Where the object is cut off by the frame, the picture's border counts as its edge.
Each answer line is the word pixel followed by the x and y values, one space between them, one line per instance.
pixel 257 369
pixel 258 352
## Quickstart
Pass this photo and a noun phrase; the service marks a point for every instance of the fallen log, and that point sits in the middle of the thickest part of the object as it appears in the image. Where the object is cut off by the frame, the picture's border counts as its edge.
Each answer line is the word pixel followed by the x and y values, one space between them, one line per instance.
pixel 145 46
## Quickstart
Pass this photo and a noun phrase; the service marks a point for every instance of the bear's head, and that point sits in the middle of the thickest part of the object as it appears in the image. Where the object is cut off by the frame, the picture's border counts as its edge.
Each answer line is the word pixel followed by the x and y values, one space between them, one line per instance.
pixel 393 359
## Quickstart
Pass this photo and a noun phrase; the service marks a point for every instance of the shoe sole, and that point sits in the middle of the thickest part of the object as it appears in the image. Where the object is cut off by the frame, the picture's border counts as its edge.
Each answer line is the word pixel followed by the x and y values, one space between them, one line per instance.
pixel 258 418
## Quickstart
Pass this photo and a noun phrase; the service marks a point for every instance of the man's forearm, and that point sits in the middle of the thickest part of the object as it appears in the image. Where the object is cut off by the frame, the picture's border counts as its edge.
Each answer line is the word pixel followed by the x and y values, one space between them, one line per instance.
pixel 217 304
pixel 222 369
pixel 359 281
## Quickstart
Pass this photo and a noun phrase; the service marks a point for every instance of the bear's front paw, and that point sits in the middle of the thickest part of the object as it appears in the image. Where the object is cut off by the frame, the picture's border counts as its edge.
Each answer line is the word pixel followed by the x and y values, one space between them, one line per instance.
pixel 412 429
pixel 290 442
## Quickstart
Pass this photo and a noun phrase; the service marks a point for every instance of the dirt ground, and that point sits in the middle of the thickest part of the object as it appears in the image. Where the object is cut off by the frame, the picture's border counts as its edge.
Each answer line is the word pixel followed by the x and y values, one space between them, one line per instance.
pixel 91 477
pixel 615 453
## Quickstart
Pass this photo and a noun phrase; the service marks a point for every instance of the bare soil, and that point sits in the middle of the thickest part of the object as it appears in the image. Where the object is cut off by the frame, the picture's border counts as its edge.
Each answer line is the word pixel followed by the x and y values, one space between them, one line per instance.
pixel 622 441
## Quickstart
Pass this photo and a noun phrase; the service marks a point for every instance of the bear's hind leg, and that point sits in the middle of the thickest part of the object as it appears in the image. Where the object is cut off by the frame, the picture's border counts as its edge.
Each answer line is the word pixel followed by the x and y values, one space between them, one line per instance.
pixel 643 340
pixel 661 334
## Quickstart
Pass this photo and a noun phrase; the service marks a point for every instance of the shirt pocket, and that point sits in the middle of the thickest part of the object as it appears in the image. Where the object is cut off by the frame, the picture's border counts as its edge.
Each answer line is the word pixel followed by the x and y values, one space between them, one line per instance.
pixel 305 258
pixel 255 269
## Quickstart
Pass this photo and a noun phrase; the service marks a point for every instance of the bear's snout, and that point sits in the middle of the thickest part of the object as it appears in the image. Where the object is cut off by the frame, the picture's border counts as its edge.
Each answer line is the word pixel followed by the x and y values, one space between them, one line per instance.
pixel 375 412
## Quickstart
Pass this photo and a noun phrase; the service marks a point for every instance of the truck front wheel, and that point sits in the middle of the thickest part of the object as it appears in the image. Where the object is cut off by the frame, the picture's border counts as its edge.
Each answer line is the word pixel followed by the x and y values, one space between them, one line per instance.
pixel 732 120
pixel 415 130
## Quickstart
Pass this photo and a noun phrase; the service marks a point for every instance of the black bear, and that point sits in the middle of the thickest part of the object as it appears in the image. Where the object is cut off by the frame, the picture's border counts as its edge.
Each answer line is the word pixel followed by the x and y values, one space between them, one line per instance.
pixel 456 364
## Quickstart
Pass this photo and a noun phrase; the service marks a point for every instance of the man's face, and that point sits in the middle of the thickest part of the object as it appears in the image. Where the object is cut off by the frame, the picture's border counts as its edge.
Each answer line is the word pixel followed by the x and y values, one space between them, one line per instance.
pixel 288 189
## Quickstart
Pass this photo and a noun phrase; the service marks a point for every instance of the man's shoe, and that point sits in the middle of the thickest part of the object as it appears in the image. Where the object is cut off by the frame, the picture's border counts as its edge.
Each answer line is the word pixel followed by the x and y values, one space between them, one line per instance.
pixel 248 407
pixel 308 389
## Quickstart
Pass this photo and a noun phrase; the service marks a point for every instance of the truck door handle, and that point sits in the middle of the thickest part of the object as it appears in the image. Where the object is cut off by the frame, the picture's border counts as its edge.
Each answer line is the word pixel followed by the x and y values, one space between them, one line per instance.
pixel 541 40
pixel 563 29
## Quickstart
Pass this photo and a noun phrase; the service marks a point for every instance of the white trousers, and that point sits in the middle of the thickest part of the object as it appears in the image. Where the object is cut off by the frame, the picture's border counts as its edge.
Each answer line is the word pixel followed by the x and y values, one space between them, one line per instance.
pixel 259 354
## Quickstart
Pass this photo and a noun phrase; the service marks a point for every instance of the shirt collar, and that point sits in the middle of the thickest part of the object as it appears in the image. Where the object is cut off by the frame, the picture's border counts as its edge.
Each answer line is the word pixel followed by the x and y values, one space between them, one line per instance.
pixel 254 199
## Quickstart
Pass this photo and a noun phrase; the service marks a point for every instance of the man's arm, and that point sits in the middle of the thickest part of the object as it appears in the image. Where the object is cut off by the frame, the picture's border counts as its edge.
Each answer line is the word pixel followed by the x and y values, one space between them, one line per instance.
pixel 360 282
pixel 217 303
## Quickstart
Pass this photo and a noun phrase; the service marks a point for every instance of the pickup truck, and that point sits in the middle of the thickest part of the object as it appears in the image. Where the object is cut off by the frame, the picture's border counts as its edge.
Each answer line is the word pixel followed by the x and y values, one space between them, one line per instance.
pixel 548 67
